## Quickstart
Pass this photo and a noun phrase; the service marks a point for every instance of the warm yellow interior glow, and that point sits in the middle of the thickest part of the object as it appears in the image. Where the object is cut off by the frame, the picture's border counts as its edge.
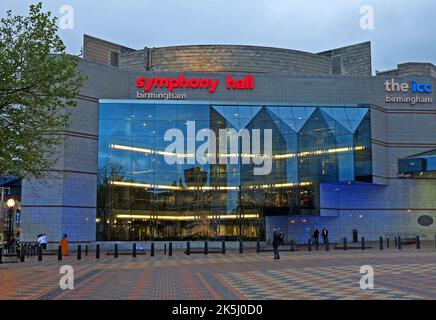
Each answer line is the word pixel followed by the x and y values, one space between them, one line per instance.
pixel 185 218
pixel 242 155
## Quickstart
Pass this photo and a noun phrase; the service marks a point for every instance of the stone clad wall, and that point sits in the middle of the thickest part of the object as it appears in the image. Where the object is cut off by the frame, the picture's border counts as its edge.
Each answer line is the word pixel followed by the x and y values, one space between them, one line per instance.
pixel 352 60
pixel 221 58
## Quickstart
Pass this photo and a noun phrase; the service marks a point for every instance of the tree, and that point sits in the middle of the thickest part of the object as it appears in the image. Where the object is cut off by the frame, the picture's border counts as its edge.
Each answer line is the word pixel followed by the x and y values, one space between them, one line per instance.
pixel 38 84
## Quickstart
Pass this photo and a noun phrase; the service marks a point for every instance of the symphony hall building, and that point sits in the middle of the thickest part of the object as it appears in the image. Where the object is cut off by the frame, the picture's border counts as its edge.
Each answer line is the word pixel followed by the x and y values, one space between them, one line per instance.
pixel 144 158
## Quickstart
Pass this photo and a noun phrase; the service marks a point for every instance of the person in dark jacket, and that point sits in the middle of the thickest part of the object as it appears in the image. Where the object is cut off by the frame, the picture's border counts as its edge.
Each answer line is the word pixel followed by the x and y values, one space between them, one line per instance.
pixel 316 236
pixel 355 236
pixel 276 243
pixel 325 235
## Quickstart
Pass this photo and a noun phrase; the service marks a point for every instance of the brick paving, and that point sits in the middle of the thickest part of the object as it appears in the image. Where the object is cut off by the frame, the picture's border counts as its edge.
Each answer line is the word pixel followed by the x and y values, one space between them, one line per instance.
pixel 405 274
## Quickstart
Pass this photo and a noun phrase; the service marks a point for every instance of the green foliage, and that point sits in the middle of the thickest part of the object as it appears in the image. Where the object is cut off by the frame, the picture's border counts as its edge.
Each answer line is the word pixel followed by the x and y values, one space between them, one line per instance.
pixel 38 83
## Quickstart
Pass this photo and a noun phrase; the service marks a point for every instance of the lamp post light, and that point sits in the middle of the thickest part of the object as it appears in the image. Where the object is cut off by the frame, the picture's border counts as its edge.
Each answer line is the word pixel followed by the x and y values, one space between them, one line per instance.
pixel 11 204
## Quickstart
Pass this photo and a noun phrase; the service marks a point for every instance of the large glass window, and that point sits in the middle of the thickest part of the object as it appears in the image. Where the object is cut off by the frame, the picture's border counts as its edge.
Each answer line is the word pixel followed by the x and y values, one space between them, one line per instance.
pixel 150 187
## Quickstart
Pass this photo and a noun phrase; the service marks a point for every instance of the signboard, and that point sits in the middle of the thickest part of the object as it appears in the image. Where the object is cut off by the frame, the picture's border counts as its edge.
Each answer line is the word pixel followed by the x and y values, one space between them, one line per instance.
pixel 147 86
pixel 400 92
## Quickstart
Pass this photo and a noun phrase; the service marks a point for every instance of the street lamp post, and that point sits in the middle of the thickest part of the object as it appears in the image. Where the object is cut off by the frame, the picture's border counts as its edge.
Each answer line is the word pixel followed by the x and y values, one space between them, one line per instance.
pixel 2 222
pixel 11 204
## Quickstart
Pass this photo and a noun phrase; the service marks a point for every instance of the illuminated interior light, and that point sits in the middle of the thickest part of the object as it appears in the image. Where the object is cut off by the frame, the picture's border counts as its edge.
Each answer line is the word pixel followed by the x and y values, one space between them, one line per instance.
pixel 186 218
pixel 237 155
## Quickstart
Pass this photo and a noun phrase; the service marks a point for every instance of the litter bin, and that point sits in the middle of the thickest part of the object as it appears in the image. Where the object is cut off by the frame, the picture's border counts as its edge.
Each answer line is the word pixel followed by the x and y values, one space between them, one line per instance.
pixel 64 246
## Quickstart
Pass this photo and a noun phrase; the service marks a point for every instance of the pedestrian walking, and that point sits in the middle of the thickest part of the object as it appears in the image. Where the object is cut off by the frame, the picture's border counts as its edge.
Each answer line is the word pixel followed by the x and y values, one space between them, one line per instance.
pixel 316 236
pixel 276 243
pixel 325 235
pixel 355 236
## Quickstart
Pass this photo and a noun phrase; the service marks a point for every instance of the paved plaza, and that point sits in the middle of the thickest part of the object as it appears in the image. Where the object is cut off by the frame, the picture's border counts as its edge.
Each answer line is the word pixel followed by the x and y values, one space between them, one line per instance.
pixel 405 274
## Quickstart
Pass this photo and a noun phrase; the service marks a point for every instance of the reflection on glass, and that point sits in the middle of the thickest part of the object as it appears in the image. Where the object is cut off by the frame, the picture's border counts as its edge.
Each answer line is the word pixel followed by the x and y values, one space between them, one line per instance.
pixel 142 196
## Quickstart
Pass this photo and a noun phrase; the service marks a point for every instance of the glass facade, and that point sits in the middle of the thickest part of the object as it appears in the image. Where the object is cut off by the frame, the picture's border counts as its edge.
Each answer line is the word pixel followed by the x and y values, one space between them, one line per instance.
pixel 147 190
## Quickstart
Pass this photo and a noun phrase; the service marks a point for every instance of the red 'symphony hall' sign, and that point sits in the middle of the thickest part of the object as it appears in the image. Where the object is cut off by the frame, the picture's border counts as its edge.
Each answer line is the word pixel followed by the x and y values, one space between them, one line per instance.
pixel 182 82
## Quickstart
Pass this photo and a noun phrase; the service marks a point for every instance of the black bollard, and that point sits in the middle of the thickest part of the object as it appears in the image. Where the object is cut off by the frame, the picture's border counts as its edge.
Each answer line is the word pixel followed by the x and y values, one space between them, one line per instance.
pixel 59 253
pixel 39 250
pixel 310 245
pixel 79 252
pixel 152 250
pixel 399 243
pixel 363 243
pixel 381 243
pixel 116 250
pixel 396 242
pixel 165 249
pixel 86 250
pixel 1 256
pixel 205 247
pixel 22 253
pixel 258 246
pixel 387 243
pixel 292 246
pixel 241 249
pixel 170 249
pixel 28 250
pixel 345 244
pixel 134 250
pixel 188 248
pixel 418 243
pixel 97 251
pixel 223 249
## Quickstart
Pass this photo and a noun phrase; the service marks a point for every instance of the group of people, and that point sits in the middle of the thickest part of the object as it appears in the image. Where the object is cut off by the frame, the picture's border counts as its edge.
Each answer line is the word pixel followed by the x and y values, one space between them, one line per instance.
pixel 278 238
pixel 324 234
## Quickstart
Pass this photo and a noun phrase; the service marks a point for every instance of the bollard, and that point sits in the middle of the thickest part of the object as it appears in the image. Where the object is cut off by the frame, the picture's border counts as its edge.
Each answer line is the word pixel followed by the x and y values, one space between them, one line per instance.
pixel 28 250
pixel 387 243
pixel 223 249
pixel 188 248
pixel 292 246
pixel 39 250
pixel 79 252
pixel 418 243
pixel 396 242
pixel 363 243
pixel 381 243
pixel 170 249
pixel 59 253
pixel 86 250
pixel 152 249
pixel 165 249
pixel 258 246
pixel 345 244
pixel 205 247
pixel 116 250
pixel 22 253
pixel 399 243
pixel 241 250
pixel 1 256
pixel 134 250
pixel 97 251
pixel 310 245
pixel 327 245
